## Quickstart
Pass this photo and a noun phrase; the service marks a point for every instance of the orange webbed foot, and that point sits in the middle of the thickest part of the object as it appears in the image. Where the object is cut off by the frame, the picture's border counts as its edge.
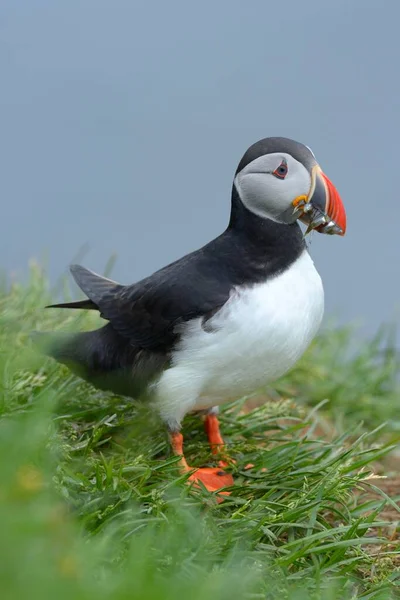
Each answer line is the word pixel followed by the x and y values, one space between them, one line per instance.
pixel 213 479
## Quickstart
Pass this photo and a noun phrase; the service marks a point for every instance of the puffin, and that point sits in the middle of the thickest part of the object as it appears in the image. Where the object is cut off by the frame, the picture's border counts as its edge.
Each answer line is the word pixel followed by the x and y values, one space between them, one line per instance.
pixel 223 321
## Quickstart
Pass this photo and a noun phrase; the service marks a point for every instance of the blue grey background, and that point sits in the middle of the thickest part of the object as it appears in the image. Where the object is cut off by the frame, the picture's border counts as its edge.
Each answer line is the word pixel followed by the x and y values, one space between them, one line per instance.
pixel 122 123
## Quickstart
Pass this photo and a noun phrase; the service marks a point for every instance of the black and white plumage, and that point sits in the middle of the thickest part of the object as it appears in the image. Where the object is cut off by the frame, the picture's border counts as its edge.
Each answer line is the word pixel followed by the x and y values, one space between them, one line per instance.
pixel 228 318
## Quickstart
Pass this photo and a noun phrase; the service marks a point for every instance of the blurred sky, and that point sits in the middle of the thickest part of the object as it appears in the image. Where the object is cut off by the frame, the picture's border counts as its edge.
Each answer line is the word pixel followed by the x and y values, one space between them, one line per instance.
pixel 122 123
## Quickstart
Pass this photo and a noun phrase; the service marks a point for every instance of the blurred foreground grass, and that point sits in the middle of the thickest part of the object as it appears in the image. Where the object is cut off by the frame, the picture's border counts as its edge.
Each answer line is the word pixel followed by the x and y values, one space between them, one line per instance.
pixel 93 506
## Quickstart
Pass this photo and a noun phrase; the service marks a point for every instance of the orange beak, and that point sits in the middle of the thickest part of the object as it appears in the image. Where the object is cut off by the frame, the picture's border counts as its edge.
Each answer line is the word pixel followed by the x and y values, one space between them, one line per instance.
pixel 323 208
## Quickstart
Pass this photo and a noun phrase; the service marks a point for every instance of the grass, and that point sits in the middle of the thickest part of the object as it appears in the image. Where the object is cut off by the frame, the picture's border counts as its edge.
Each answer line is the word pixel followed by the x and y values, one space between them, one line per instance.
pixel 92 504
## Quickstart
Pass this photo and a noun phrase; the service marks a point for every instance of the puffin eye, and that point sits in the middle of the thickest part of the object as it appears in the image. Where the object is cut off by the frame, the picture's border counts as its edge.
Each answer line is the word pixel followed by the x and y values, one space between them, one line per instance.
pixel 281 171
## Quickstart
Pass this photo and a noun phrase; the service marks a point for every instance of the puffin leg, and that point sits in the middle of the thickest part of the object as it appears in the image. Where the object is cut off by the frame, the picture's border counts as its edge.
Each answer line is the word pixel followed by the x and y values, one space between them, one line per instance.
pixel 211 425
pixel 213 478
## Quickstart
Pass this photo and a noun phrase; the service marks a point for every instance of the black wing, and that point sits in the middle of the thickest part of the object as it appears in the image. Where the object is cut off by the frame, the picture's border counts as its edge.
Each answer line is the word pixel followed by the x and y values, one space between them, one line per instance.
pixel 148 312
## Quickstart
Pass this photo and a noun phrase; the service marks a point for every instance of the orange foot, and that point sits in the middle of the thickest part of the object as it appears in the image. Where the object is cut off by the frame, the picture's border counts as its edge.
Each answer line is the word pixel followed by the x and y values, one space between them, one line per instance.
pixel 213 479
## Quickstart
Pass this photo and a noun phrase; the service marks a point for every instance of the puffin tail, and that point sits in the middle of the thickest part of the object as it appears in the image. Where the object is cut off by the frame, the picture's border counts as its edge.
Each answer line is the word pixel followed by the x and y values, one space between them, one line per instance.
pixel 82 304
pixel 101 357
pixel 84 352
pixel 93 285
pixel 73 349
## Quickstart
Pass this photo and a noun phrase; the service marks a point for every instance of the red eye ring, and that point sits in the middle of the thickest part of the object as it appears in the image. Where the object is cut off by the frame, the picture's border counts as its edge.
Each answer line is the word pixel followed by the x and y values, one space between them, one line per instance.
pixel 281 171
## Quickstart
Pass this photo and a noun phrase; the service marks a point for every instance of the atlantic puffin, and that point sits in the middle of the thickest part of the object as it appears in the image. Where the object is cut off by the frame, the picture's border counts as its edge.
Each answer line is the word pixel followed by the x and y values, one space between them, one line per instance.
pixel 225 320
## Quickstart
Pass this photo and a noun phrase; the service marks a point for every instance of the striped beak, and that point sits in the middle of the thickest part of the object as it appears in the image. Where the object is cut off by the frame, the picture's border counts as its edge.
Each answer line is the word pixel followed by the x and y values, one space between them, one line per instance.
pixel 323 208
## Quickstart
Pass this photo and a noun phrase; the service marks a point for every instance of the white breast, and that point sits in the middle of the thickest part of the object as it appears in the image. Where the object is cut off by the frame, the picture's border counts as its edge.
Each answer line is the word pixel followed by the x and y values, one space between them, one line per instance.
pixel 256 337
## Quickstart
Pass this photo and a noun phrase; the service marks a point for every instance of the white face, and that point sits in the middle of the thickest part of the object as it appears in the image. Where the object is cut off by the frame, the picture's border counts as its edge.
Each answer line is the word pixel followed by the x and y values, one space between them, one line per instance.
pixel 268 185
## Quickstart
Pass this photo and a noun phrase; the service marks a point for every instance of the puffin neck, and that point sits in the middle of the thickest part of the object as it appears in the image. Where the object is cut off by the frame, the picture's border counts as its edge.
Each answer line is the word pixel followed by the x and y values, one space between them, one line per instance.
pixel 265 233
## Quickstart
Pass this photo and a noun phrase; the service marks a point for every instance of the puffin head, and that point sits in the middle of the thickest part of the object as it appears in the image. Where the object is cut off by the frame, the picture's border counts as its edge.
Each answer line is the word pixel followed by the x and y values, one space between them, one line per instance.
pixel 280 179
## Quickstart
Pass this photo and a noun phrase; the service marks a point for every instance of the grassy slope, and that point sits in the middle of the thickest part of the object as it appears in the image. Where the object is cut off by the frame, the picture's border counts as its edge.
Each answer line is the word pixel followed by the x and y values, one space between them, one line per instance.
pixel 92 504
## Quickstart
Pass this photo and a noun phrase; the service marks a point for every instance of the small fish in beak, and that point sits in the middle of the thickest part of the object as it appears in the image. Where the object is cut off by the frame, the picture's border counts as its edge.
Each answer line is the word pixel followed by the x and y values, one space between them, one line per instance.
pixel 323 208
